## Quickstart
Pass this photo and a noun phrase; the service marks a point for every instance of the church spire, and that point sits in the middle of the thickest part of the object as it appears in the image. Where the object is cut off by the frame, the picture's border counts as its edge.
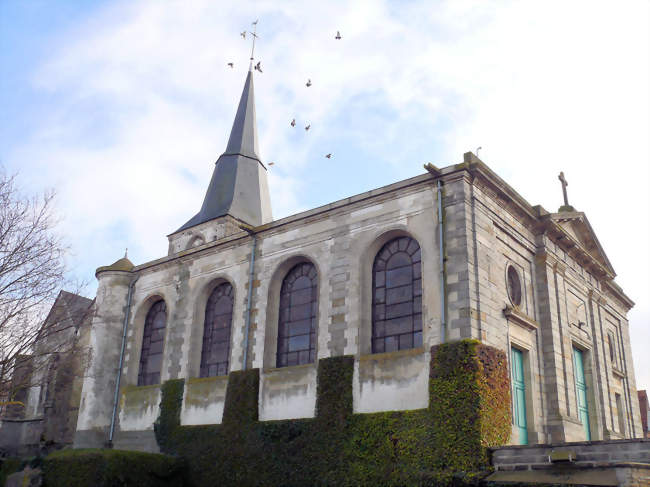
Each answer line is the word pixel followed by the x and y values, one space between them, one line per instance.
pixel 239 185
pixel 243 136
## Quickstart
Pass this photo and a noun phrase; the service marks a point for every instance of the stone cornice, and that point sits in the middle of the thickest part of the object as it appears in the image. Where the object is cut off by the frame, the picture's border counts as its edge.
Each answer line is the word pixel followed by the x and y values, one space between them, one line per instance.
pixel 618 293
pixel 557 234
pixel 516 316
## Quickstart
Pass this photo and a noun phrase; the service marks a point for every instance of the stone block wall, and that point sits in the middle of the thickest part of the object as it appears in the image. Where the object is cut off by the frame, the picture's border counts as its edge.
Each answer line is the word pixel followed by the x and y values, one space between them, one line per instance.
pixel 487 228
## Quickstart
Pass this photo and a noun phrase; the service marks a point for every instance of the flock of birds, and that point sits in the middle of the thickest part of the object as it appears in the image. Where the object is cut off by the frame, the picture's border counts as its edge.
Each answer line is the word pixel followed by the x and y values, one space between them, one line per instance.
pixel 258 67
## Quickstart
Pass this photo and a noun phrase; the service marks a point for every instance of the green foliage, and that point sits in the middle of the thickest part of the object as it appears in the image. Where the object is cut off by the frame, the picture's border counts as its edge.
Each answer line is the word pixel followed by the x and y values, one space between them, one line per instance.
pixel 469 411
pixel 241 406
pixel 8 466
pixel 104 468
pixel 334 394
pixel 169 417
pixel 433 446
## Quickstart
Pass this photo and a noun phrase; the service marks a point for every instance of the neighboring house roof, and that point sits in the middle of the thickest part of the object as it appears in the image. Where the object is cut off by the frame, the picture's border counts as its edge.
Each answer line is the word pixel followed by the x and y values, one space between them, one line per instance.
pixel 77 306
pixel 69 309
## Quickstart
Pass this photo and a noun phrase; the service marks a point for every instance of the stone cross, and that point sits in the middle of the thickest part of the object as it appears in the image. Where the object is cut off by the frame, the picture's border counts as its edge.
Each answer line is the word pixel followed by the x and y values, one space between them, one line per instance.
pixel 564 185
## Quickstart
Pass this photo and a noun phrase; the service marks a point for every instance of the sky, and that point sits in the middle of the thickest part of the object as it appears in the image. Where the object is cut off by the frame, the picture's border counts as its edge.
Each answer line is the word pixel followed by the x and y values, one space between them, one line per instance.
pixel 123 107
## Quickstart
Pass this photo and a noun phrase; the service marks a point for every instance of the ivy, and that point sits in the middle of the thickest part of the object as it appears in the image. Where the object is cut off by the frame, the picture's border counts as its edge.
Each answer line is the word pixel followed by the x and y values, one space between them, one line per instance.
pixel 107 468
pixel 441 445
pixel 169 417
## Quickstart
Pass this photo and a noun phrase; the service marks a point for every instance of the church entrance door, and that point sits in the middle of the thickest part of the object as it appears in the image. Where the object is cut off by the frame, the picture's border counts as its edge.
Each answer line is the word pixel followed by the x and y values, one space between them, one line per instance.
pixel 581 391
pixel 519 395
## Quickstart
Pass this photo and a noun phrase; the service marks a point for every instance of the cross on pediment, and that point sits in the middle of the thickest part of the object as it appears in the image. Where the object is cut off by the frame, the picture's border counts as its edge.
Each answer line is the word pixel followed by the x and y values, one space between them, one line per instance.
pixel 564 182
pixel 564 185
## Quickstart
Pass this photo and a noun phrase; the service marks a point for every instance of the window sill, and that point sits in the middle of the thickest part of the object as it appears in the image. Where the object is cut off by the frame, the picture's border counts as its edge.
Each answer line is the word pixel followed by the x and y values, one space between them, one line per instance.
pixel 212 378
pixel 288 368
pixel 135 387
pixel 618 372
pixel 409 352
pixel 517 316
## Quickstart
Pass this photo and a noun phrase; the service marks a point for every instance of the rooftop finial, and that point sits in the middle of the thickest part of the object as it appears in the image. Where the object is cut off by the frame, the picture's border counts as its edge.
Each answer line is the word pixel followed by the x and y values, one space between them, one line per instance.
pixel 254 36
pixel 126 253
pixel 566 206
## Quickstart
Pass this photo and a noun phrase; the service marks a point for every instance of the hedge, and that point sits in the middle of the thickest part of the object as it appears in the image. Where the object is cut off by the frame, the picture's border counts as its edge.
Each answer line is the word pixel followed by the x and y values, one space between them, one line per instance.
pixel 8 466
pixel 444 444
pixel 108 468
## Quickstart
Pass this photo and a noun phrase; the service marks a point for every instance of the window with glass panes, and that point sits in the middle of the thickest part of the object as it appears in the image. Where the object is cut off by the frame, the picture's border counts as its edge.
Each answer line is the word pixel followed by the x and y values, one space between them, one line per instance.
pixel 297 319
pixel 397 296
pixel 152 344
pixel 215 352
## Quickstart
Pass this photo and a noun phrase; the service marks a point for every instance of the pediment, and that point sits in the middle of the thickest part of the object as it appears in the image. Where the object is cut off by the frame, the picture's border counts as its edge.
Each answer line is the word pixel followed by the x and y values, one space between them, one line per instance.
pixel 577 226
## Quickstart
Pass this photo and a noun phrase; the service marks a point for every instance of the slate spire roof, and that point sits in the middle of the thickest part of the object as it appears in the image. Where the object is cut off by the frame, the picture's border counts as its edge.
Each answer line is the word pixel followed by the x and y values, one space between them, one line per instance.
pixel 239 185
pixel 243 136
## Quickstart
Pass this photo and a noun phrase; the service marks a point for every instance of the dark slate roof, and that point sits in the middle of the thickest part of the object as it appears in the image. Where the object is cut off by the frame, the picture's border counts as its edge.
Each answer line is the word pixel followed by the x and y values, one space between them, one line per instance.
pixel 243 136
pixel 77 306
pixel 238 186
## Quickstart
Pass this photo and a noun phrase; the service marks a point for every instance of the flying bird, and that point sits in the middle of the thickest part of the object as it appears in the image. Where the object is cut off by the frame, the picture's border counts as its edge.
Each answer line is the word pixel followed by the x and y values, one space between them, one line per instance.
pixel 308 127
pixel 271 163
pixel 258 67
pixel 232 65
pixel 293 122
pixel 329 156
pixel 308 84
pixel 338 35
pixel 243 34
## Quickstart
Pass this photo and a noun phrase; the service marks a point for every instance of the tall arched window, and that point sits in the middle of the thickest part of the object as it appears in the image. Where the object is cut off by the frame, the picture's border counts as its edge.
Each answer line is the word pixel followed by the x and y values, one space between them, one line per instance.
pixel 152 344
pixel 297 319
pixel 397 296
pixel 215 353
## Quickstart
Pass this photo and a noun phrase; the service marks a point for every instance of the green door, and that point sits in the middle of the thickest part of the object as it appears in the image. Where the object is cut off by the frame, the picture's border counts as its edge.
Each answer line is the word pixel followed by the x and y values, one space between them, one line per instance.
pixel 519 395
pixel 581 391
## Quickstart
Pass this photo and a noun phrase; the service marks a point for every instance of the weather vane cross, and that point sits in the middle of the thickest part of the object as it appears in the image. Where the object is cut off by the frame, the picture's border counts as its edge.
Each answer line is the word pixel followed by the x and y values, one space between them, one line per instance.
pixel 254 36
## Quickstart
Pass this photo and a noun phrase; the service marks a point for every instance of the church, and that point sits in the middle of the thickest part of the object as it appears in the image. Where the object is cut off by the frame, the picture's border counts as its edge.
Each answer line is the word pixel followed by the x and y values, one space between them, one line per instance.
pixel 454 253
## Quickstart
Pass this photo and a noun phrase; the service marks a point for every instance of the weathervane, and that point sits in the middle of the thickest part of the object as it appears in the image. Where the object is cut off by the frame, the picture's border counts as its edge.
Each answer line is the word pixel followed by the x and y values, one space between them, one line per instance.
pixel 255 36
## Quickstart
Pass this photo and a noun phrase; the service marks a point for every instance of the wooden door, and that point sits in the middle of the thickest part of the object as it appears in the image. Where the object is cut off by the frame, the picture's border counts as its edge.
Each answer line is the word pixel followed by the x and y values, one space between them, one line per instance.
pixel 581 391
pixel 519 396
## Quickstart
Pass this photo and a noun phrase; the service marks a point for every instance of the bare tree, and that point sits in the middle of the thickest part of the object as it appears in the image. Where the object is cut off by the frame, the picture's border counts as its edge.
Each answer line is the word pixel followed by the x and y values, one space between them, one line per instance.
pixel 32 272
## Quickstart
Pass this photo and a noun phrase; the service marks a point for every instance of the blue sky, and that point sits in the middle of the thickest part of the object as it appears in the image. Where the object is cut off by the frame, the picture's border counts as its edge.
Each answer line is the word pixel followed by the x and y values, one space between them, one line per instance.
pixel 123 107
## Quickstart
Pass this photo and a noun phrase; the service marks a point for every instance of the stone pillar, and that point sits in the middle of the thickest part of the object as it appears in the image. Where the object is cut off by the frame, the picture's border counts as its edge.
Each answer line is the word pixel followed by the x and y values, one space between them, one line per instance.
pixel 97 396
pixel 546 269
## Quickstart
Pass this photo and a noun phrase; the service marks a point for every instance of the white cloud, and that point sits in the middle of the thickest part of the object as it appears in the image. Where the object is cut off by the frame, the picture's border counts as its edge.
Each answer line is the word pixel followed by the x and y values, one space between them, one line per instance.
pixel 542 87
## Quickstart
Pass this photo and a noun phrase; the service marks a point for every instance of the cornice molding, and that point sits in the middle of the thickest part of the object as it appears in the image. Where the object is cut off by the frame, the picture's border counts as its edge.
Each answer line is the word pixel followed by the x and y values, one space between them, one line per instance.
pixel 515 315
pixel 559 268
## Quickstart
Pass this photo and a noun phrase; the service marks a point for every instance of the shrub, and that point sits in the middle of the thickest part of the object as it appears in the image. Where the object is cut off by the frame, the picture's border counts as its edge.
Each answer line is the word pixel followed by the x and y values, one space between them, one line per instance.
pixel 104 468
pixel 440 445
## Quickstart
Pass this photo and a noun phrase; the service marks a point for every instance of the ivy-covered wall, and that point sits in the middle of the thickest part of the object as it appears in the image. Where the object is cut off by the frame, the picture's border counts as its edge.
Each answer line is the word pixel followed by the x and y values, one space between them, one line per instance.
pixel 108 468
pixel 469 410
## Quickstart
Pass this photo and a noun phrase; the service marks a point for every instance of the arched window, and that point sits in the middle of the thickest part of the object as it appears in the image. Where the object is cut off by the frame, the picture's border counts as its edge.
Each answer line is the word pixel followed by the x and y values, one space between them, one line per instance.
pixel 397 296
pixel 152 344
pixel 215 353
pixel 297 321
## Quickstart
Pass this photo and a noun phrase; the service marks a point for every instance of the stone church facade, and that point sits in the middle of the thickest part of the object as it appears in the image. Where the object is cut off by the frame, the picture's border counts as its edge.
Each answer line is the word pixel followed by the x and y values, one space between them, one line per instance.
pixel 453 253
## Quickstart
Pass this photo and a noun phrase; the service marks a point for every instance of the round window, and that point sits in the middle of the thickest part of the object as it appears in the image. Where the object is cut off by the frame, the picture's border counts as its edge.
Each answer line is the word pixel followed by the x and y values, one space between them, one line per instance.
pixel 514 285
